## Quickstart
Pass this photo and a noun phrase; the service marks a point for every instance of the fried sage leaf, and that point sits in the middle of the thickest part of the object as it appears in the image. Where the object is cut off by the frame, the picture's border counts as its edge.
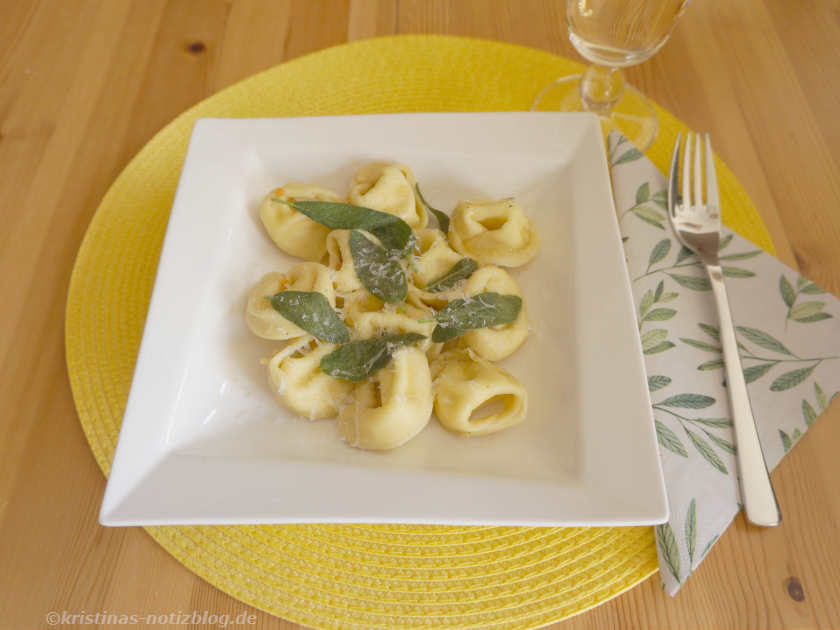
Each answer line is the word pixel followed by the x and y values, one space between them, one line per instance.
pixel 357 360
pixel 393 232
pixel 479 311
pixel 462 269
pixel 311 311
pixel 442 217
pixel 379 270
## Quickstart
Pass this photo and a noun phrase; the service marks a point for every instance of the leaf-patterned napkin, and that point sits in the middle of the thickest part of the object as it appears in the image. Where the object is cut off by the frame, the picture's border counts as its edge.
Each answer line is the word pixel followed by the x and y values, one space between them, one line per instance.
pixel 789 334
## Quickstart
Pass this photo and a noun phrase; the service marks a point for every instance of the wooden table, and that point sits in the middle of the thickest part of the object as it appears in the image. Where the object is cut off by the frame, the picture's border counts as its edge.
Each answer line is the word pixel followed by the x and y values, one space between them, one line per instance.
pixel 84 84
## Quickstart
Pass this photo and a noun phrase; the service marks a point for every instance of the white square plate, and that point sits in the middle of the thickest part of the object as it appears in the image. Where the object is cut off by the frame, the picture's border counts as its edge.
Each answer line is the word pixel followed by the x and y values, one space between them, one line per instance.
pixel 204 441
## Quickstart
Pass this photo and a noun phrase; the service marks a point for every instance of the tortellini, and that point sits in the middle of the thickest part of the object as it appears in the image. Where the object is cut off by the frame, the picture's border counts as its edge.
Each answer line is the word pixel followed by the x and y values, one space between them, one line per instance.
pixel 293 232
pixel 392 406
pixel 494 232
pixel 341 261
pixel 296 378
pixel 413 320
pixel 267 323
pixel 475 397
pixel 422 298
pixel 497 342
pixel 387 378
pixel 354 303
pixel 433 258
pixel 389 188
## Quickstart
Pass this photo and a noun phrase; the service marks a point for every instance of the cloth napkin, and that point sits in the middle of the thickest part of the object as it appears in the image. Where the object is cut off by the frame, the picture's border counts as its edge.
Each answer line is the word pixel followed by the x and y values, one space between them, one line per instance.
pixel 789 334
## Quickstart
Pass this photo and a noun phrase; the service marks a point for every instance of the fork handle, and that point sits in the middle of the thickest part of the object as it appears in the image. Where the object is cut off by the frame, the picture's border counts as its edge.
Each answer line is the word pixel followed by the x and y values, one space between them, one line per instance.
pixel 756 490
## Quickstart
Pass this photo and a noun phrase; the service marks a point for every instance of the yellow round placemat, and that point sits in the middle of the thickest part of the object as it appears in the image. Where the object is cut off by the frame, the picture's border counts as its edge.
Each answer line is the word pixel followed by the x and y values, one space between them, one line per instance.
pixel 348 576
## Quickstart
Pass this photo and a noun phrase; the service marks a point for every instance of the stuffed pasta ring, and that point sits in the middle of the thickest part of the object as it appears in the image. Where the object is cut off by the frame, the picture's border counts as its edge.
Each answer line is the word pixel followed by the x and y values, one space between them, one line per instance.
pixel 497 342
pixel 414 319
pixel 266 322
pixel 465 385
pixel 392 406
pixel 434 257
pixel 295 375
pixel 388 188
pixel 341 261
pixel 493 232
pixel 293 232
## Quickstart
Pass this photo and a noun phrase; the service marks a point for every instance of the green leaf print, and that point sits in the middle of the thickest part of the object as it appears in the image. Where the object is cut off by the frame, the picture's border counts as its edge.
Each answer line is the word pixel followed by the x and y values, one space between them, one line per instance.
pixel 788 294
pixel 715 422
pixel 657 382
pixel 684 253
pixel 822 401
pixel 660 198
pixel 658 293
pixel 653 341
pixel 791 379
pixel 786 442
pixel 669 439
pixel 755 372
pixel 660 315
pixel 742 255
pixel 701 345
pixel 643 193
pixel 808 413
pixel 812 289
pixel 628 156
pixel 646 303
pixel 689 401
pixel 805 309
pixel 806 312
pixel 816 317
pixel 653 337
pixel 660 347
pixel 710 330
pixel 707 452
pixel 695 283
pixel 619 141
pixel 711 365
pixel 668 546
pixel 737 272
pixel 649 215
pixel 763 339
pixel 659 252
pixel 691 530
pixel 726 445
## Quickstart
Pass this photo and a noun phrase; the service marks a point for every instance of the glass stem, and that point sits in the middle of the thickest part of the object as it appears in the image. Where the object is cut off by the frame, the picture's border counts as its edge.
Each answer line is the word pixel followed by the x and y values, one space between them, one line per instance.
pixel 601 87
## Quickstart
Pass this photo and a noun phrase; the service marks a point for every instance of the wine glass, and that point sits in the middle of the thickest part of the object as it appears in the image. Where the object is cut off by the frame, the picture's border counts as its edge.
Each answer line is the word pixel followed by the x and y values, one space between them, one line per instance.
pixel 612 34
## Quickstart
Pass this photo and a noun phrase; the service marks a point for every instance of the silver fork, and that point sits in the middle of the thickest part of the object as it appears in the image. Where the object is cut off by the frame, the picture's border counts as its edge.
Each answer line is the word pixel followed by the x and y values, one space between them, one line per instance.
pixel 697 226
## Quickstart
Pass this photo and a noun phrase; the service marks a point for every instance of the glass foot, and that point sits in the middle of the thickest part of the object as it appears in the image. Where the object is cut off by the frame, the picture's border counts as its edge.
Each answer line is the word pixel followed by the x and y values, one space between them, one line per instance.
pixel 632 116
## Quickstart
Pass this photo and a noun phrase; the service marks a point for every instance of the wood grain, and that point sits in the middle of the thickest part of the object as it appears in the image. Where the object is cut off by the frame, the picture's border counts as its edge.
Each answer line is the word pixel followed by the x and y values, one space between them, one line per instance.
pixel 85 83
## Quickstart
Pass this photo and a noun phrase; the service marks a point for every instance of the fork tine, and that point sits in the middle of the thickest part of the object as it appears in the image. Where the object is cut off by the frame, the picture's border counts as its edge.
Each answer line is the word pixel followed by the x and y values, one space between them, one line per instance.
pixel 674 178
pixel 712 194
pixel 698 173
pixel 686 175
